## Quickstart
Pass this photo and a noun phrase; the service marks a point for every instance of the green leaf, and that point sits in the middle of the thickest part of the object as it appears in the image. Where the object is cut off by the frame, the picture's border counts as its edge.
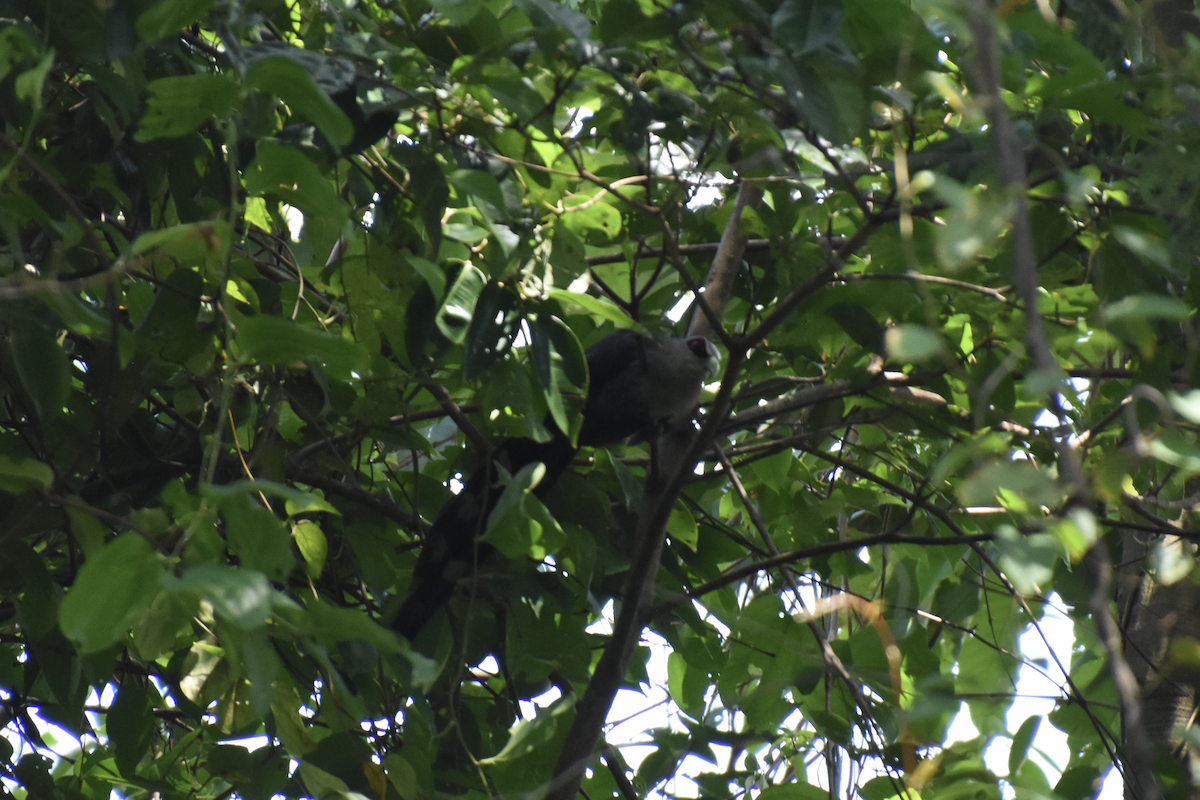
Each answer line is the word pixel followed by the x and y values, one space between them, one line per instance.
pixel 291 83
pixel 313 545
pixel 179 105
pixel 1143 307
pixel 806 25
pixel 483 189
pixel 185 243
pixel 793 791
pixel 1188 405
pixel 171 16
pixel 547 362
pixel 24 474
pixel 257 537
pixel 913 344
pixel 861 326
pixel 15 47
pixel 86 529
pixel 681 525
pixel 286 173
pixel 596 224
pixel 1018 485
pixel 457 12
pixel 624 21
pixel 432 273
pixel 1028 561
pixel 1020 743
pixel 1170 448
pixel 401 775
pixel 494 324
pixel 112 591
pixel 169 616
pixel 31 84
pixel 973 222
pixel 550 13
pixel 465 232
pixel 130 726
pixel 601 308
pixel 1171 560
pixel 520 526
pixel 1077 533
pixel 273 340
pixel 332 624
pixel 241 597
pixel 527 736
pixel 298 501
pixel 454 317
pixel 42 368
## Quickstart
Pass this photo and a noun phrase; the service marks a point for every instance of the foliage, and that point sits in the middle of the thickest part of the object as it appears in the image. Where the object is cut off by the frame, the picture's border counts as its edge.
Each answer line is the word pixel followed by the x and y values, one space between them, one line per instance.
pixel 258 258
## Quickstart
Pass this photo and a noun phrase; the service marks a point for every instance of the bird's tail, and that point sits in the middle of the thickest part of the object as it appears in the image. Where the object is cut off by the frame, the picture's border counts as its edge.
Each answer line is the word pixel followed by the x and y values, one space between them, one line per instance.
pixel 451 548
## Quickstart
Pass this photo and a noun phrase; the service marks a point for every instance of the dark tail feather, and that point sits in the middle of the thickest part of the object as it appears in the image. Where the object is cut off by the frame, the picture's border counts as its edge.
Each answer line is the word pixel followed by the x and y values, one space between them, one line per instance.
pixel 450 550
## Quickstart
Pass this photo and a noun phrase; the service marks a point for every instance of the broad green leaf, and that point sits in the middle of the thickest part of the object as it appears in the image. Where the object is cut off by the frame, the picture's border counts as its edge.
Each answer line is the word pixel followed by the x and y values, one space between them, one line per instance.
pixel 401 775
pixel 600 308
pixel 493 327
pixel 42 368
pixel 171 16
pixel 1077 533
pixel 242 597
pixel 454 317
pixel 86 528
pixel 548 362
pixel 1018 484
pixel 257 537
pixel 320 783
pixel 1145 307
pixel 681 526
pixel 457 12
pixel 1022 739
pixel 333 624
pixel 973 222
pixel 112 591
pixel 464 232
pixel 862 327
pixel 290 82
pixel 130 726
pixel 793 791
pixel 1170 448
pixel 520 526
pixel 1172 560
pixel 548 12
pixel 1186 404
pixel 287 174
pixel 289 725
pixel 15 46
pixel 313 546
pixel 185 243
pixel 180 105
pixel 806 25
pixel 271 340
pixel 913 344
pixel 1027 560
pixel 432 273
pixel 168 616
pixel 30 84
pixel 483 189
pixel 529 735
pixel 596 223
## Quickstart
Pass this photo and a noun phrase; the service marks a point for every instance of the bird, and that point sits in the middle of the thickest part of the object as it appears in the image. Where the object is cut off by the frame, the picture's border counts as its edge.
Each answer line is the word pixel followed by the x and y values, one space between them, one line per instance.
pixel 638 384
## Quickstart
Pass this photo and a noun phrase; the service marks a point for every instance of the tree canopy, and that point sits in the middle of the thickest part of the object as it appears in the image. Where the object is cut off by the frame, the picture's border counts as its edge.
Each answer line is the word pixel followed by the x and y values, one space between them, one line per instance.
pixel 274 276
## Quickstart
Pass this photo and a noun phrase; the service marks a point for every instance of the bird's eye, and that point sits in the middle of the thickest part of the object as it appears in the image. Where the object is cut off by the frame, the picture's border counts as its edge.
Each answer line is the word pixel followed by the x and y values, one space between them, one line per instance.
pixel 699 346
